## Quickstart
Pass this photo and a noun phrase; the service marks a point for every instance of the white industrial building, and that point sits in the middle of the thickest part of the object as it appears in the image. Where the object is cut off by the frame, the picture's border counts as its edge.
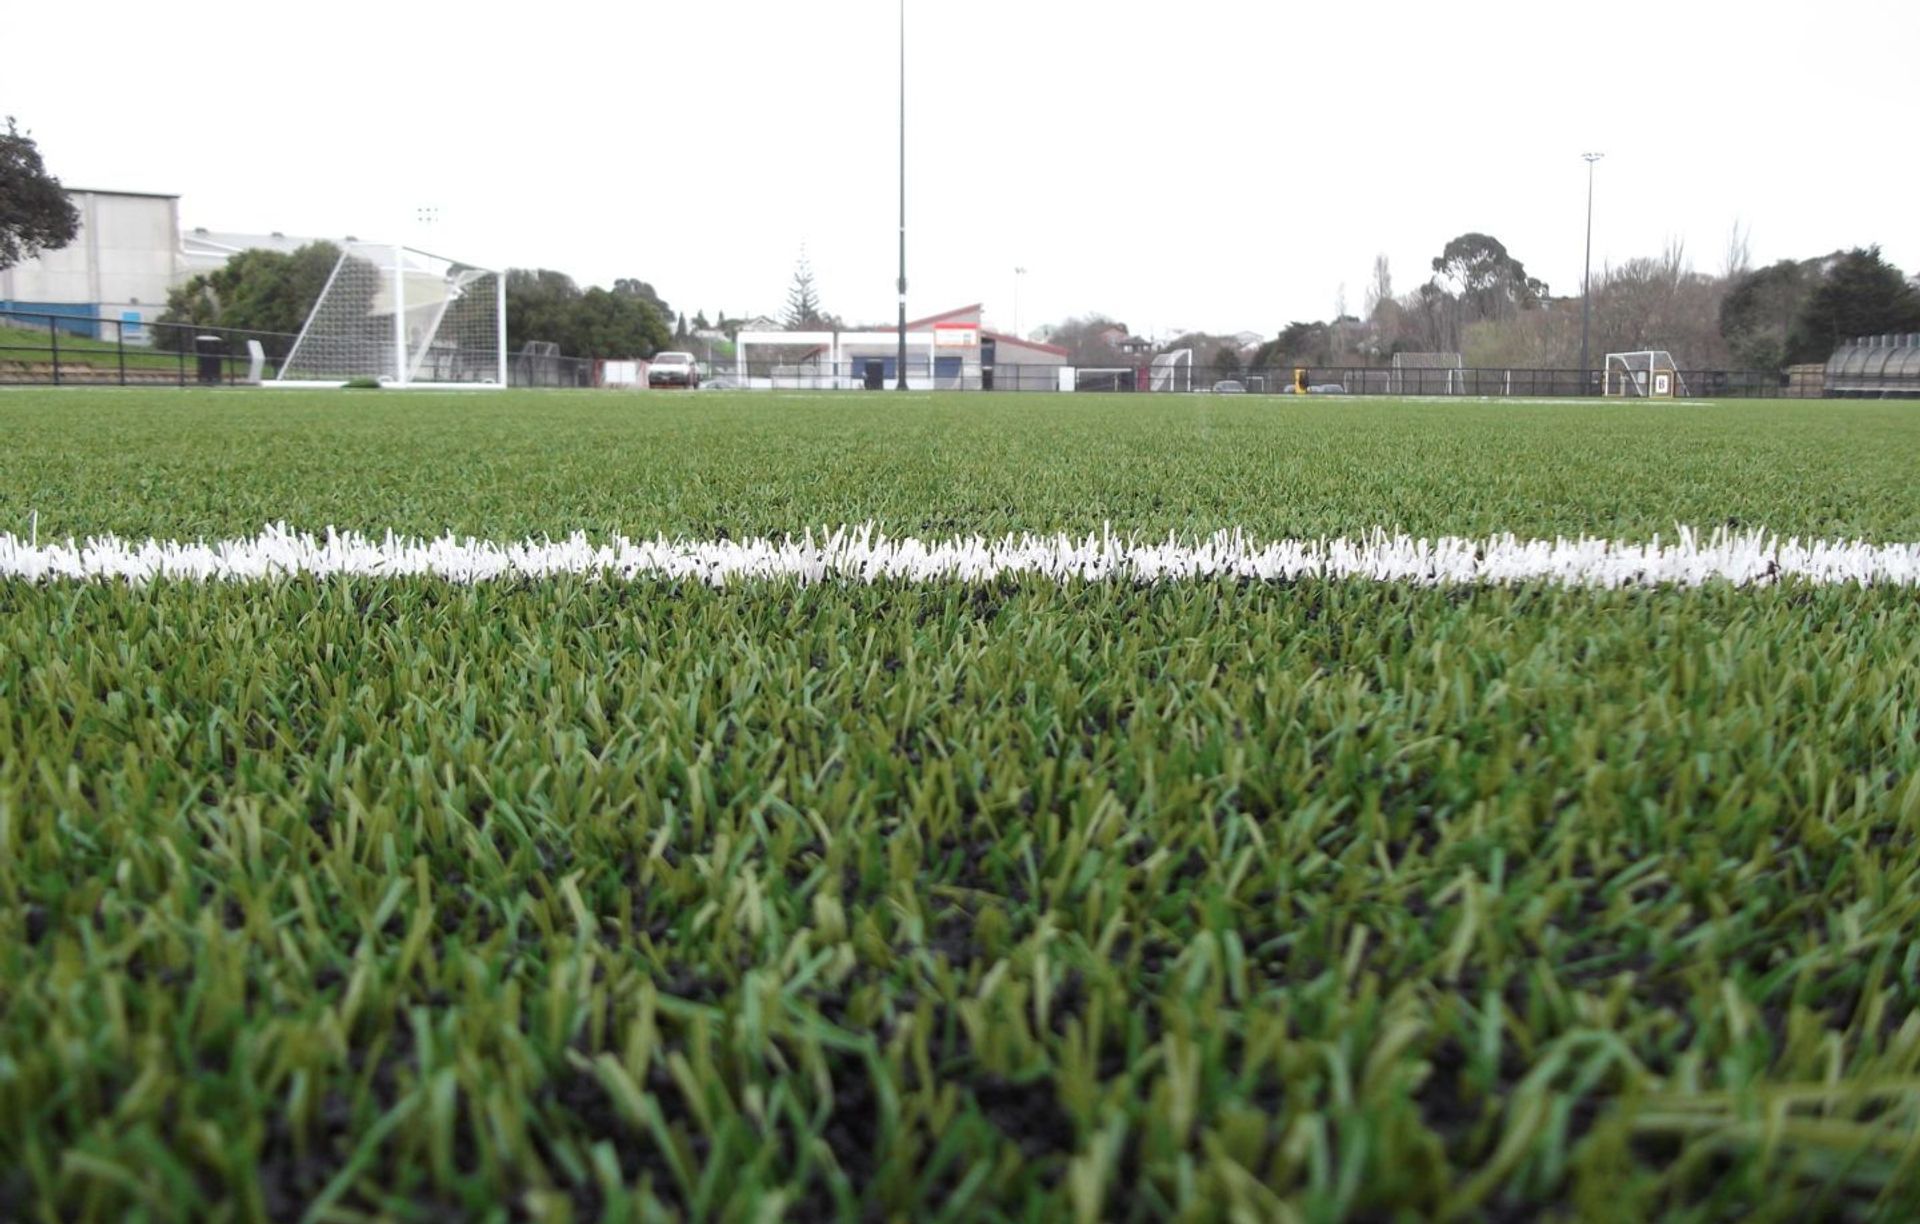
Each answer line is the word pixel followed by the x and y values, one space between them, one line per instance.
pixel 118 268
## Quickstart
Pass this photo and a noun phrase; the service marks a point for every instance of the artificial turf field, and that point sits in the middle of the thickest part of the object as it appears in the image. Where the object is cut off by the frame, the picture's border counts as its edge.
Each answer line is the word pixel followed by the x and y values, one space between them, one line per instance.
pixel 402 898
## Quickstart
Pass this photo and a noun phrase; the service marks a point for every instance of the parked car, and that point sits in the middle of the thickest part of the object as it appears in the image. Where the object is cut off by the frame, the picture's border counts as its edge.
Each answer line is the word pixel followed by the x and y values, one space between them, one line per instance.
pixel 673 370
pixel 1229 386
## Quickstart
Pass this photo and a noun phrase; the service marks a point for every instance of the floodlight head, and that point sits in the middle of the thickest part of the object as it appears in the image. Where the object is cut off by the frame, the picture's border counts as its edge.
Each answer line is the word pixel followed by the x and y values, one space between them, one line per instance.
pixel 1591 158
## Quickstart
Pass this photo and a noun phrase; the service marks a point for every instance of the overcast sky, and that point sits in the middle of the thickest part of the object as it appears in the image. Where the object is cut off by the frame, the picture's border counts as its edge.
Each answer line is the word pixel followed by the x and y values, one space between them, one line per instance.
pixel 1213 165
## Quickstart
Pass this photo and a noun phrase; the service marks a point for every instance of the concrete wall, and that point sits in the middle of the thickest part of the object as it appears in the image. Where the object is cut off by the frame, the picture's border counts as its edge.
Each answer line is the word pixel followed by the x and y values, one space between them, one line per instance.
pixel 124 259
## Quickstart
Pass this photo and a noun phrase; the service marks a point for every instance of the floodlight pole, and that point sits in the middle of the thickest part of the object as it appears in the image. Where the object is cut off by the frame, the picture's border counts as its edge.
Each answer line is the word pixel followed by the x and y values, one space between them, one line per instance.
pixel 900 360
pixel 1586 277
pixel 1018 275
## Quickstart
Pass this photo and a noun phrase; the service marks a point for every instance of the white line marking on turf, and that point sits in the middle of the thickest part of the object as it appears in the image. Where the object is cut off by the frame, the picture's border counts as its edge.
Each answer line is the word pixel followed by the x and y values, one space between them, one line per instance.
pixel 863 554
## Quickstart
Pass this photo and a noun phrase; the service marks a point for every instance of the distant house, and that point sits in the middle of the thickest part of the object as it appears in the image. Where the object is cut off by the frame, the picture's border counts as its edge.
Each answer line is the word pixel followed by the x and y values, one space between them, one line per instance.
pixel 758 323
pixel 1248 340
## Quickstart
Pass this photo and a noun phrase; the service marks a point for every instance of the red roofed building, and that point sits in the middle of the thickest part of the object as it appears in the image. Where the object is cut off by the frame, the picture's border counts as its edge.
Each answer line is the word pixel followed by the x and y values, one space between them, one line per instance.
pixel 967 355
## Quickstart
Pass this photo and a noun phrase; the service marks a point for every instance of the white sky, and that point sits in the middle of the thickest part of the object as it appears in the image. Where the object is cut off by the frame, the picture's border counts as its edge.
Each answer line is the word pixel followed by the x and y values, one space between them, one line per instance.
pixel 1227 167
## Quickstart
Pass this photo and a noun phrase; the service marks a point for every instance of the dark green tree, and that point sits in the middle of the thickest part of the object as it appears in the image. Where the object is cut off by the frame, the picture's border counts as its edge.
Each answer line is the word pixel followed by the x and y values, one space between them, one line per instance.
pixel 1758 313
pixel 1226 361
pixel 1297 344
pixel 629 287
pixel 540 303
pixel 803 301
pixel 35 214
pixel 270 292
pixel 700 321
pixel 1489 281
pixel 611 325
pixel 1861 295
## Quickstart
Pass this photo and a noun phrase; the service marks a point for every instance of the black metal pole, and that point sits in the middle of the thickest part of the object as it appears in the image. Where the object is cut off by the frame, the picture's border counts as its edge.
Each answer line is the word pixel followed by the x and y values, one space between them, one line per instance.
pixel 900 360
pixel 1586 277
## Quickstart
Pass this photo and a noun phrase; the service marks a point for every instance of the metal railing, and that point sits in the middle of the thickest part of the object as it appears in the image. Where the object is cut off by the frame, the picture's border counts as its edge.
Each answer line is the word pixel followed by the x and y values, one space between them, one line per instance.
pixel 53 349
pixel 57 349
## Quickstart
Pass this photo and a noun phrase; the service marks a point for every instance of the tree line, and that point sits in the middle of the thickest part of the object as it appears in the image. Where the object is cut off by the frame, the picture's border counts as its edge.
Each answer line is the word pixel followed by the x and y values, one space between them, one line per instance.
pixel 1480 301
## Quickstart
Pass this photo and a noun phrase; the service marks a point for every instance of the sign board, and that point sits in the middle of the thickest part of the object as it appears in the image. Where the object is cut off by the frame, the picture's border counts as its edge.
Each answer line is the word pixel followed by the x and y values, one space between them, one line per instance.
pixel 956 335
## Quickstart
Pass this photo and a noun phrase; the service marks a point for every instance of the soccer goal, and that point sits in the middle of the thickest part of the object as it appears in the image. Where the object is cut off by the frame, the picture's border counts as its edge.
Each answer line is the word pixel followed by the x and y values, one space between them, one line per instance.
pixel 1426 374
pixel 406 318
pixel 1649 373
pixel 1172 371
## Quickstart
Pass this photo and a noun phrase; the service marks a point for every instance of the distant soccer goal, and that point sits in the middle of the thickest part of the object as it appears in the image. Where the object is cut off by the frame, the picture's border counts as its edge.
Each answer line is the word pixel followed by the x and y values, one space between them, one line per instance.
pixel 1649 373
pixel 405 318
pixel 1172 371
pixel 1426 374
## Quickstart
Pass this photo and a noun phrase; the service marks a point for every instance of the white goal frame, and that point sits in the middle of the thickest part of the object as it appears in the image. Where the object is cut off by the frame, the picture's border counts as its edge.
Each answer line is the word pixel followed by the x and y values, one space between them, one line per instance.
pixel 1166 369
pixel 1642 374
pixel 317 360
pixel 1452 363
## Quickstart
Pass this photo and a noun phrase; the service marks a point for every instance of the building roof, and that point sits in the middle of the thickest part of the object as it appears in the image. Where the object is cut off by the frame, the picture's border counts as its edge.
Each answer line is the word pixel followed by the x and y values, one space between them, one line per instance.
pixel 109 191
pixel 1038 346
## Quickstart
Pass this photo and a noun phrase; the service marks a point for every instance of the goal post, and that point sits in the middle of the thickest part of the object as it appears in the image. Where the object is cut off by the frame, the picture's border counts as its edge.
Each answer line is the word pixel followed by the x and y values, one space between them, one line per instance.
pixel 1644 374
pixel 1426 374
pixel 1171 371
pixel 404 318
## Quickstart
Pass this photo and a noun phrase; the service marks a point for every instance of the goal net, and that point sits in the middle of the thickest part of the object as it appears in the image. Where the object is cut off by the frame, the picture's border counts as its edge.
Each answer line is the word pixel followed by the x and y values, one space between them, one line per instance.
pixel 1649 373
pixel 1426 374
pixel 1172 371
pixel 406 318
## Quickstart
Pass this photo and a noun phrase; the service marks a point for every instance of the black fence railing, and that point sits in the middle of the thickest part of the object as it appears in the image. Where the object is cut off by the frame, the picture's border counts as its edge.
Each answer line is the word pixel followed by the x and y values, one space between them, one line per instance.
pixel 52 349
pixel 954 374
pixel 47 348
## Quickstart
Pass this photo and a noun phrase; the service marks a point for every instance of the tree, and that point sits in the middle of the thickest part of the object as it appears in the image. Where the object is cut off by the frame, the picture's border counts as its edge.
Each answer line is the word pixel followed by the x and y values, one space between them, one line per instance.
pixel 803 301
pixel 604 324
pixel 1090 340
pixel 1226 361
pixel 270 292
pixel 1661 303
pixel 629 287
pixel 1758 313
pixel 539 306
pixel 1380 288
pixel 609 323
pixel 1489 282
pixel 1298 344
pixel 700 321
pixel 35 214
pixel 1861 295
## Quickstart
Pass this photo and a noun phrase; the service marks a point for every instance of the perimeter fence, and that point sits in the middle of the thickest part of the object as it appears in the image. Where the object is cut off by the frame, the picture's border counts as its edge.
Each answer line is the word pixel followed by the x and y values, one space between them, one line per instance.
pixel 48 348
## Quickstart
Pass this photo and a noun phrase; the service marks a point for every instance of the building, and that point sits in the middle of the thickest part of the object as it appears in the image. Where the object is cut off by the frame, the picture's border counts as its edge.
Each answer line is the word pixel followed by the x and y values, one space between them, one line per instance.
pixel 967 355
pixel 113 276
pixel 203 250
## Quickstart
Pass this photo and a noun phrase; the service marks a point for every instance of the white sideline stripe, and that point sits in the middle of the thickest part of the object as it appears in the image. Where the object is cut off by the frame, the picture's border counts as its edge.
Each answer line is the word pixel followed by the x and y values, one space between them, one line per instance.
pixel 863 554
